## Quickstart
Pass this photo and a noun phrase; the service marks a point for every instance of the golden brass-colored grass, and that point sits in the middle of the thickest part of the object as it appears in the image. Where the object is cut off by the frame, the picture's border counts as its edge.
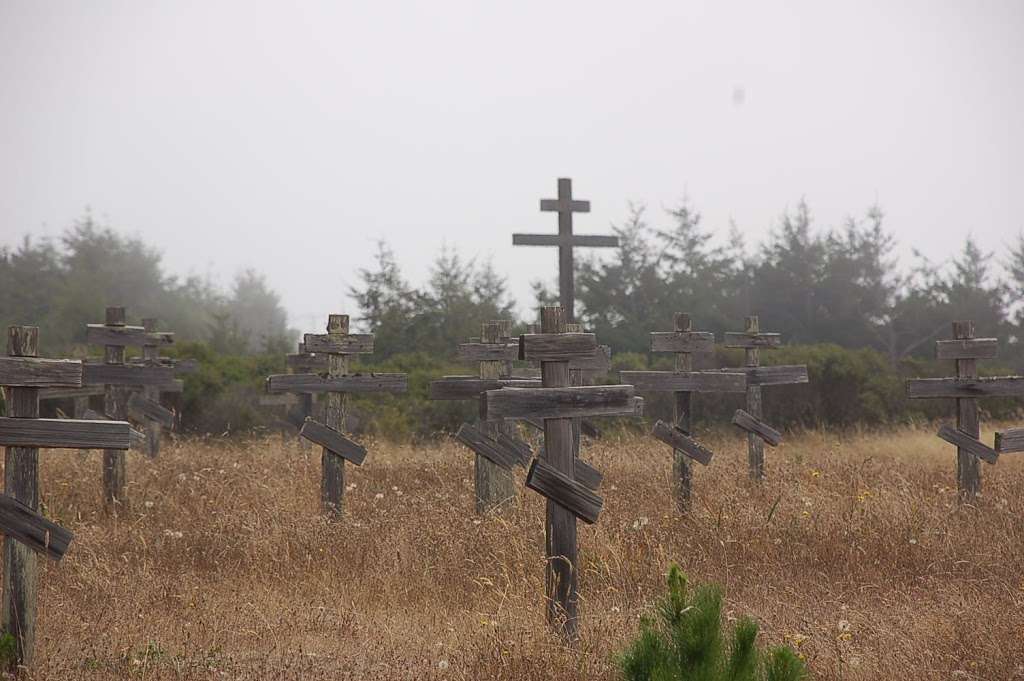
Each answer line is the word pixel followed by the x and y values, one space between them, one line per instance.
pixel 854 550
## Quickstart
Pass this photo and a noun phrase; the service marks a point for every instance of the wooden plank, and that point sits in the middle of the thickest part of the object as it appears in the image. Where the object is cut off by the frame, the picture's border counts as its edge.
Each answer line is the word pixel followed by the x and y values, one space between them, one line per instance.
pixel 145 408
pixel 572 495
pixel 734 339
pixel 33 372
pixel 471 387
pixel 685 381
pixel 335 410
pixel 522 451
pixel 352 383
pixel 1011 440
pixel 333 441
pixel 101 334
pixel 969 444
pixel 559 205
pixel 967 348
pixel 63 433
pixel 487 447
pixel 32 529
pixel 599 363
pixel 682 442
pixel 488 352
pixel 70 393
pixel 687 341
pixel 745 421
pixel 306 363
pixel 581 240
pixel 778 374
pixel 339 344
pixel 586 474
pixel 279 400
pixel 137 438
pixel 556 347
pixel 552 403
pixel 127 375
pixel 1000 386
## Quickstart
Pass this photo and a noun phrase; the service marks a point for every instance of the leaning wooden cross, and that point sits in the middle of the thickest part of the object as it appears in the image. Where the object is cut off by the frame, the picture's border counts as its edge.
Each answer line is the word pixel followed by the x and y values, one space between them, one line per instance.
pixel 966 388
pixel 120 382
pixel 758 432
pixel 565 206
pixel 494 443
pixel 554 475
pixel 23 433
pixel 338 345
pixel 683 383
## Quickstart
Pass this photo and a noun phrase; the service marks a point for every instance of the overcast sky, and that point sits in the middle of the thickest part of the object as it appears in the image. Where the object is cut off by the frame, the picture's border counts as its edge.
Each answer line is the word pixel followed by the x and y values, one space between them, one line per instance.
pixel 290 137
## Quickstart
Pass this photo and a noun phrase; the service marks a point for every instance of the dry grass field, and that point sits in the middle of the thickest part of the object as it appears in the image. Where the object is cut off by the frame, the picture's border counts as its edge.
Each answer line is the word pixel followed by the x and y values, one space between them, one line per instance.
pixel 855 552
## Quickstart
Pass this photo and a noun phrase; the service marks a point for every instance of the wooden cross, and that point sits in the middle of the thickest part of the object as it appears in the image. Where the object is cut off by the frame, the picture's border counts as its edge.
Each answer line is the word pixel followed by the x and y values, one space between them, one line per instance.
pixel 23 433
pixel 494 443
pixel 554 475
pixel 119 380
pixel 148 410
pixel 299 407
pixel 683 382
pixel 338 345
pixel 565 206
pixel 966 388
pixel 758 433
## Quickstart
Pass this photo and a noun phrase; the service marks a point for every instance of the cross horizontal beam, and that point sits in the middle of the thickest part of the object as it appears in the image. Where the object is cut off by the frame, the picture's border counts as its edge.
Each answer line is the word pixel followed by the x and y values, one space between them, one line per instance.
pixel 570 494
pixel 749 423
pixel 1000 386
pixel 136 437
pixel 353 383
pixel 32 529
pixel 144 408
pixel 966 443
pixel 682 341
pixel 33 372
pixel 557 347
pixel 586 474
pixel 552 403
pixel 967 348
pixel 500 453
pixel 583 240
pixel 333 441
pixel 337 344
pixel 101 334
pixel 565 204
pixel 488 352
pixel 127 374
pixel 1011 440
pixel 682 442
pixel 777 374
pixel 307 363
pixel 685 381
pixel 64 433
pixel 750 341
pixel 67 393
pixel 471 387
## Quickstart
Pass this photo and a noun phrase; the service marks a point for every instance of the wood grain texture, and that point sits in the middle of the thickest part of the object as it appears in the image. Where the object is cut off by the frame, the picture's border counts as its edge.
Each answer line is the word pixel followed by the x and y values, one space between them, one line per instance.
pixel 1008 441
pixel 587 475
pixel 686 341
pixel 471 387
pixel 748 340
pixel 682 442
pixel 685 381
pixel 968 467
pixel 968 443
pixel 491 449
pixel 752 358
pixel 572 495
pixel 33 372
pixel 63 433
pixel 778 374
pixel 488 352
pixel 967 348
pixel 558 403
pixel 136 438
pixel 352 383
pixel 70 393
pixel 999 386
pixel 578 240
pixel 745 421
pixel 333 441
pixel 522 450
pixel 100 334
pixel 144 408
pixel 557 347
pixel 345 344
pixel 306 363
pixel 127 374
pixel 32 529
pixel 599 363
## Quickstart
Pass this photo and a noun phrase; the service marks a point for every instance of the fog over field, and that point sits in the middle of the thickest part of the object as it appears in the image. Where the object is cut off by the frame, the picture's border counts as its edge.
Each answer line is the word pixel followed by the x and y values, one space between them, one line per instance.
pixel 290 138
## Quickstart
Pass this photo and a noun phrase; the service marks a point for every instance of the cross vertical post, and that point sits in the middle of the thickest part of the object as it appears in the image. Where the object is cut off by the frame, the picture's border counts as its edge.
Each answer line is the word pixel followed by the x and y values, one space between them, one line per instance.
pixel 755 446
pixel 494 485
pixel 968 467
pixel 21 482
pixel 682 414
pixel 151 355
pixel 332 486
pixel 114 460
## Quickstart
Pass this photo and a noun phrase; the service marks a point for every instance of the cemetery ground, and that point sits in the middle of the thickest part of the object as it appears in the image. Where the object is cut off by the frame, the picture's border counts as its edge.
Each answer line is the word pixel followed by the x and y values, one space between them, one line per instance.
pixel 854 550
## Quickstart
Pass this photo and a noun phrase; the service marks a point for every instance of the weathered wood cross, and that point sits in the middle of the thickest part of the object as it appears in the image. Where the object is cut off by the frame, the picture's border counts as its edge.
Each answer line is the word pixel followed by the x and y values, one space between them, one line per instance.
pixel 554 476
pixel 966 388
pixel 758 432
pixel 338 345
pixel 299 406
pixel 683 383
pixel 23 433
pixel 495 444
pixel 565 206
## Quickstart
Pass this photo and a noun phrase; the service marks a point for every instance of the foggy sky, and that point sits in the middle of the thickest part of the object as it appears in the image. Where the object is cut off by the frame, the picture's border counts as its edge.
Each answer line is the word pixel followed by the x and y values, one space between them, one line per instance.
pixel 290 137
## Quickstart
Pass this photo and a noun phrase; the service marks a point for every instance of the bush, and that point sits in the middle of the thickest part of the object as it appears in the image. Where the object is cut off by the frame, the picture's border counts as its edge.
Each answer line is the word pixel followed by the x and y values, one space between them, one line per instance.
pixel 684 642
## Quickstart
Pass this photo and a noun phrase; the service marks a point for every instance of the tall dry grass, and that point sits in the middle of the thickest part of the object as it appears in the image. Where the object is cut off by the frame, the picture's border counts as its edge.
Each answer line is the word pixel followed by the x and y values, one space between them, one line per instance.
pixel 855 551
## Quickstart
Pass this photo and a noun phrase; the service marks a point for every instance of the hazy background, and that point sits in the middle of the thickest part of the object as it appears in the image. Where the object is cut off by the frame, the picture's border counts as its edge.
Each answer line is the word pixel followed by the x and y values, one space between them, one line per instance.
pixel 290 138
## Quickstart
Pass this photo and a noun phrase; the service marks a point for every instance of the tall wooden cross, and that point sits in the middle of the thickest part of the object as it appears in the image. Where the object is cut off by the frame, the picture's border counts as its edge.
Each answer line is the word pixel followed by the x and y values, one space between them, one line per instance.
pixel 494 443
pixel 565 205
pixel 554 475
pixel 23 433
pixel 758 432
pixel 966 388
pixel 119 381
pixel 683 382
pixel 338 345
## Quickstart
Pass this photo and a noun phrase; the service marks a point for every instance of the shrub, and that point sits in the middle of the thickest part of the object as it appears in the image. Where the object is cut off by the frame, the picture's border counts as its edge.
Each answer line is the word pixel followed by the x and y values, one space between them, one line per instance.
pixel 684 642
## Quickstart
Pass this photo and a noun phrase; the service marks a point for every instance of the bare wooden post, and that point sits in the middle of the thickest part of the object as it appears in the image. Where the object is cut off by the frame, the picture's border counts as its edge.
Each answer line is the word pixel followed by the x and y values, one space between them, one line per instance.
pixel 114 401
pixel 494 485
pixel 21 482
pixel 968 467
pixel 682 472
pixel 755 446
pixel 151 355
pixel 332 486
